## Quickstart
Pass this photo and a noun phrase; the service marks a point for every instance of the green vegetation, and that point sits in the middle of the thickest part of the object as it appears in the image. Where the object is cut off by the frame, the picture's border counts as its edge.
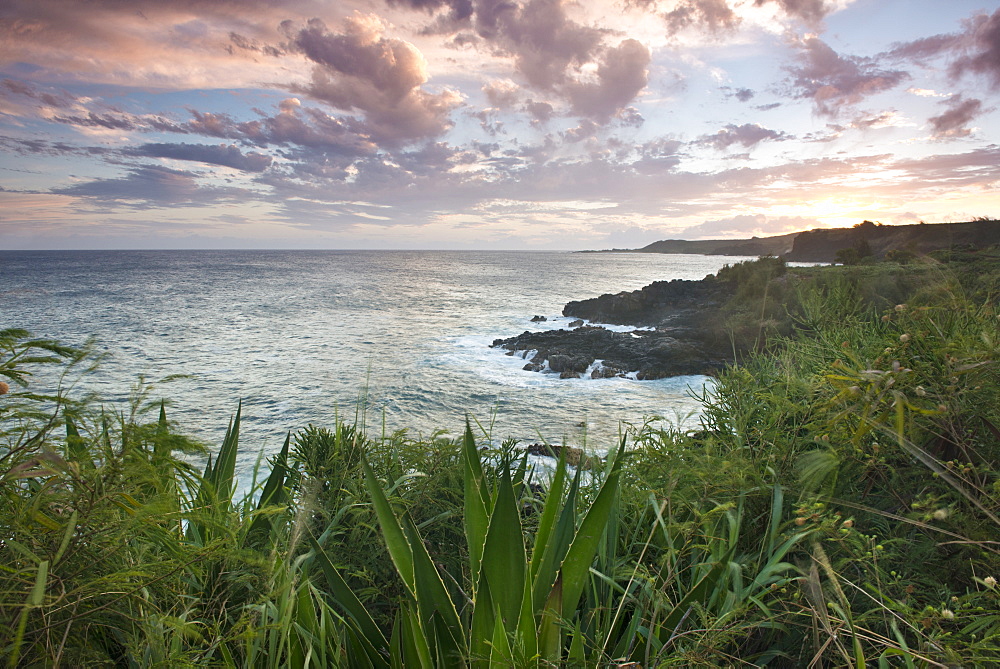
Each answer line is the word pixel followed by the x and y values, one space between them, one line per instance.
pixel 839 506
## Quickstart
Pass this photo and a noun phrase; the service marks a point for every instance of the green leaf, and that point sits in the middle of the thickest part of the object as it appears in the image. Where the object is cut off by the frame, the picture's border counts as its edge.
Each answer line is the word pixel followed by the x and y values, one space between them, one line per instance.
pixel 504 556
pixel 483 621
pixel 395 541
pixel 698 593
pixel 555 545
pixel 553 498
pixel 273 494
pixel 67 536
pixel 576 566
pixel 343 597
pixel 37 595
pixel 476 517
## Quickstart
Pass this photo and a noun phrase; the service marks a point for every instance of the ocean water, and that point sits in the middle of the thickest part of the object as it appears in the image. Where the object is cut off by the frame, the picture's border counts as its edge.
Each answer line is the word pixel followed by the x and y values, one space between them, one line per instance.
pixel 302 336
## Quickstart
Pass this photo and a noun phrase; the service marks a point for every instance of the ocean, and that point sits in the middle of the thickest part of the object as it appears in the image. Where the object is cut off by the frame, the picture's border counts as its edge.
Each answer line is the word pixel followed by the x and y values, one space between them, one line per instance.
pixel 301 337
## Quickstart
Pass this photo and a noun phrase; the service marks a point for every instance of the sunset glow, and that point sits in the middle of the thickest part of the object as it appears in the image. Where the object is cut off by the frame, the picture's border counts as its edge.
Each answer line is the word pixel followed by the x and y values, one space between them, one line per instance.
pixel 536 124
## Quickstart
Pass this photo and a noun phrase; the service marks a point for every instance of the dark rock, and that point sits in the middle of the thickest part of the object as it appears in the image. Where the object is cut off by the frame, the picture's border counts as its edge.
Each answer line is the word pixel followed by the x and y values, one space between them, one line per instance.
pixel 651 354
pixel 575 457
pixel 539 319
pixel 661 304
pixel 577 323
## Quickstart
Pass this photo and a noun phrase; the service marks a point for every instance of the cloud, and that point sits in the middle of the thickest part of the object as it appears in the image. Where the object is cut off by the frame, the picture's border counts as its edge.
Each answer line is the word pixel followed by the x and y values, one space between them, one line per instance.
pixel 149 186
pixel 58 100
pixel 545 42
pixel 225 155
pixel 746 225
pixel 659 156
pixel 554 54
pixel 952 123
pixel 741 94
pixel 747 135
pixel 715 15
pixel 811 12
pixel 362 69
pixel 834 82
pixel 621 75
pixel 585 130
pixel 982 44
pixel 540 111
pixel 974 50
pixel 306 128
pixel 502 94
pixel 158 43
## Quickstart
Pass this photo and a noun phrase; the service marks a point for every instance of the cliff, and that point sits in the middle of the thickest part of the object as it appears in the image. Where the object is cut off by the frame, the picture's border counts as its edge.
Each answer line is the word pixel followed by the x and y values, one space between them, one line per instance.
pixel 755 246
pixel 821 245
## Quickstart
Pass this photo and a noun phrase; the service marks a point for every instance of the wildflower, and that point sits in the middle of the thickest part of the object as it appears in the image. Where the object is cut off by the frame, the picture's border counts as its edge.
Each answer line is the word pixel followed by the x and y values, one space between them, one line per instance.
pixel 900 308
pixel 885 319
pixel 849 523
pixel 904 337
pixel 920 391
pixel 990 582
pixel 800 521
pixel 940 514
pixel 4 388
pixel 948 614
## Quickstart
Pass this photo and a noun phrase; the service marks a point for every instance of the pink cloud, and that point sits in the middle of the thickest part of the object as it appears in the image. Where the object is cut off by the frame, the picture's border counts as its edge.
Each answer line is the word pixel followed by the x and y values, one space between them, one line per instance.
pixel 833 81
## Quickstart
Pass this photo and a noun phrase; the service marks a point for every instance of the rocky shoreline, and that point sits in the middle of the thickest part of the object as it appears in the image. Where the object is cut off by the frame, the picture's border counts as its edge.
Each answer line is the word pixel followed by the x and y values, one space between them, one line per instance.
pixel 681 334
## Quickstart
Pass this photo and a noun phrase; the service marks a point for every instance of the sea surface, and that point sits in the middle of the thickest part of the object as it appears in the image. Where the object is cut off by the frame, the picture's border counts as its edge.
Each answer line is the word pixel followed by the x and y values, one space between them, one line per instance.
pixel 400 338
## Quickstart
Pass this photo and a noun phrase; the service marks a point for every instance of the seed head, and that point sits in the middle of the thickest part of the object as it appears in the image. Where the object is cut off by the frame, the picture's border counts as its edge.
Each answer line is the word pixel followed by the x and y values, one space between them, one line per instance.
pixel 900 308
pixel 941 514
pixel 4 388
pixel 849 523
pixel 904 337
pixel 990 582
pixel 947 614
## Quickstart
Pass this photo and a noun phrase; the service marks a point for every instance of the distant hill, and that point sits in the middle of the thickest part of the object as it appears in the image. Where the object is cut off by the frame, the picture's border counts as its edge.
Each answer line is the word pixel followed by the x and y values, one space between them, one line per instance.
pixel 755 246
pixel 821 245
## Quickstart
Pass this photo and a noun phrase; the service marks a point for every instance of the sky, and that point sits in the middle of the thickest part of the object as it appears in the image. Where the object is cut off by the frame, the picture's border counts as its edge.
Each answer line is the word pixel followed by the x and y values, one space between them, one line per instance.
pixel 489 124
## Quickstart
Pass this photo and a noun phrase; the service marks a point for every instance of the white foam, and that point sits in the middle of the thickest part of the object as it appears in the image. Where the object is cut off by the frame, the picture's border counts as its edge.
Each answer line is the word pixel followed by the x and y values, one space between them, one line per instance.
pixel 562 323
pixel 597 365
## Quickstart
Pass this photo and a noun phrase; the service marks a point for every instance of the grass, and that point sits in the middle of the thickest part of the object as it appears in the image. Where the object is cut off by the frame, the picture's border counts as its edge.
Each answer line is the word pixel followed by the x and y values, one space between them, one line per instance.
pixel 839 506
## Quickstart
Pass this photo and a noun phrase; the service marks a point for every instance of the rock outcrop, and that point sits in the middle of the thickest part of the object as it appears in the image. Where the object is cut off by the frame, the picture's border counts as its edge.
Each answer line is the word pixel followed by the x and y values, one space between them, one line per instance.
pixel 600 353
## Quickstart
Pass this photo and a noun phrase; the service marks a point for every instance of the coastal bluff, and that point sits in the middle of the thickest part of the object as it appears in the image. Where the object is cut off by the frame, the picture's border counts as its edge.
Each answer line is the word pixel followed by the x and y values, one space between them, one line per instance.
pixel 822 244
pixel 679 331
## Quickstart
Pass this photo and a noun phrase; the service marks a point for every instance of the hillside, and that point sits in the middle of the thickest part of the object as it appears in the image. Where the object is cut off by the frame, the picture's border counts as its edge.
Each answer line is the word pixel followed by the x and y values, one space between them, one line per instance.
pixel 822 245
pixel 755 246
